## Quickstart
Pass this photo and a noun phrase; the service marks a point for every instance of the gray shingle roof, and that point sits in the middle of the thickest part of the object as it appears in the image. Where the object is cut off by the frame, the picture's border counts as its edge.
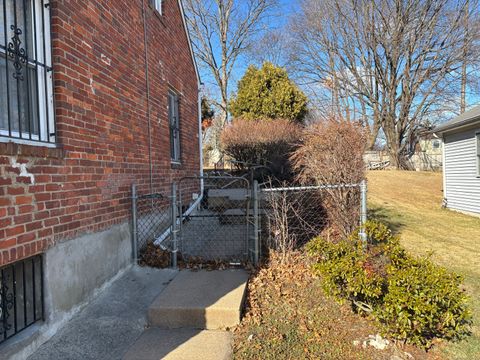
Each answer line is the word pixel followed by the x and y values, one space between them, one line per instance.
pixel 467 118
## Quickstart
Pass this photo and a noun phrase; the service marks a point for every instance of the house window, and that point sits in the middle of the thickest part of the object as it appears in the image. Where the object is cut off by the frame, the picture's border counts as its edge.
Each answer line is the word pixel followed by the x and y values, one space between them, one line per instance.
pixel 157 4
pixel 21 295
pixel 174 121
pixel 477 136
pixel 26 90
pixel 436 144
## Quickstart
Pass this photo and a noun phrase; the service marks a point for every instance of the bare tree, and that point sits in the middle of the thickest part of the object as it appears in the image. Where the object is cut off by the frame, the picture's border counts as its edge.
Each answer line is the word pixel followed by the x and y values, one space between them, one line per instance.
pixel 466 47
pixel 398 62
pixel 471 49
pixel 271 47
pixel 222 31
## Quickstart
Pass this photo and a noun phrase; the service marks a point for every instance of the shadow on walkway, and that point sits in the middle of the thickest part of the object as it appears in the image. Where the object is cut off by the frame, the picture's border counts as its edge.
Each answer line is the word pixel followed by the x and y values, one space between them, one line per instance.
pixel 107 327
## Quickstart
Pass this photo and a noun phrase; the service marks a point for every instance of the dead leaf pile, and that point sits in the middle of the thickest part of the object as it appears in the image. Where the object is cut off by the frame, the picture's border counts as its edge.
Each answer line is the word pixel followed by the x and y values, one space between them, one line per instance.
pixel 273 280
pixel 154 256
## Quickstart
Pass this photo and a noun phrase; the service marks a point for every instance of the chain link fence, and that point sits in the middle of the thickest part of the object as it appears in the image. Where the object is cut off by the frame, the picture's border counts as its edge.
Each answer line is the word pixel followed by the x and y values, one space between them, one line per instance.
pixel 227 219
pixel 152 220
pixel 291 216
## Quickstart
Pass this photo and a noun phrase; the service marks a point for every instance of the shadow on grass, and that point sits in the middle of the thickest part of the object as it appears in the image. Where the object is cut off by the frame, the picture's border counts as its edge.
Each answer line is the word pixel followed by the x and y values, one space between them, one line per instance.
pixel 387 217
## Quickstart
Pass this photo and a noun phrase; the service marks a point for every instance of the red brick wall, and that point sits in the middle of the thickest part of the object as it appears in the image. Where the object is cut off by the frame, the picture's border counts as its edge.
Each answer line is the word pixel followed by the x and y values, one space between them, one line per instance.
pixel 51 195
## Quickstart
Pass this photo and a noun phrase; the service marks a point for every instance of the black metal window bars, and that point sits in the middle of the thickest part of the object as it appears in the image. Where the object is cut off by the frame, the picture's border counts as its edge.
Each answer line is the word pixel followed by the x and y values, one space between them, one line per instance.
pixel 21 296
pixel 26 91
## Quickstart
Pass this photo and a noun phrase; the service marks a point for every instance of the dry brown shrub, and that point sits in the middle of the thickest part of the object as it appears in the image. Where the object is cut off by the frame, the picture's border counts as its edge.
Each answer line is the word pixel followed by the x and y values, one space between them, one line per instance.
pixel 263 142
pixel 292 218
pixel 332 153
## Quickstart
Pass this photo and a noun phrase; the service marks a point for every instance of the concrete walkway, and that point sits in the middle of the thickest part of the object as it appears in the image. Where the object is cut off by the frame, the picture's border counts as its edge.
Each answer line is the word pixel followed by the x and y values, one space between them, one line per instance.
pixel 190 318
pixel 182 344
pixel 189 314
pixel 111 323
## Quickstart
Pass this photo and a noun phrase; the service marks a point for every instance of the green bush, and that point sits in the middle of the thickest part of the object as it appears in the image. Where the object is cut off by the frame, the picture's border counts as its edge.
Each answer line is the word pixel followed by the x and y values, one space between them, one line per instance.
pixel 415 300
pixel 424 301
pixel 347 272
pixel 268 93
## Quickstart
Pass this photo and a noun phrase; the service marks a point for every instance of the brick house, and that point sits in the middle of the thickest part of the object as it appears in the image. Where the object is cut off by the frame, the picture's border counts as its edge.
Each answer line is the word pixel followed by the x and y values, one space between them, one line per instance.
pixel 95 95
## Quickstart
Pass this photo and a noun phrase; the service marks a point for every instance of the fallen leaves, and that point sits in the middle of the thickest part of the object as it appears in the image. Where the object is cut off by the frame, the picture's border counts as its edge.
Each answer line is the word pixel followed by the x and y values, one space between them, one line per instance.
pixel 288 316
pixel 154 256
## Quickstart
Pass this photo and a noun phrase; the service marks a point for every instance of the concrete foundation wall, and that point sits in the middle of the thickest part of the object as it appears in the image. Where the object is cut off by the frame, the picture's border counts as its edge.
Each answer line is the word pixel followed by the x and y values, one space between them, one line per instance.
pixel 74 269
pixel 74 272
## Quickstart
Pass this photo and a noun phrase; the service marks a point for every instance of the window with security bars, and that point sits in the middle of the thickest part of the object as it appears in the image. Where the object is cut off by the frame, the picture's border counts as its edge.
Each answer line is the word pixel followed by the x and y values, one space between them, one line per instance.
pixel 21 296
pixel 174 121
pixel 26 90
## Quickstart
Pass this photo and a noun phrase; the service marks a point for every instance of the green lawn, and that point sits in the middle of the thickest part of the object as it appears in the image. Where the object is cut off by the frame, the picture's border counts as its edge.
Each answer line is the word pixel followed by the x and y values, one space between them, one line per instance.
pixel 410 202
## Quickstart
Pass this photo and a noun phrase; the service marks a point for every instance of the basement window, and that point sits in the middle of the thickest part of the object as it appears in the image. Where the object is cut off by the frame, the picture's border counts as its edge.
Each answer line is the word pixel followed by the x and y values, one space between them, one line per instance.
pixel 21 296
pixel 26 89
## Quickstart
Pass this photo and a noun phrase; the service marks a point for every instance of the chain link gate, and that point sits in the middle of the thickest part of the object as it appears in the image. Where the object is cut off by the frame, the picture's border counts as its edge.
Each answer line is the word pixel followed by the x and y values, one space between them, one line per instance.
pixel 213 219
pixel 208 218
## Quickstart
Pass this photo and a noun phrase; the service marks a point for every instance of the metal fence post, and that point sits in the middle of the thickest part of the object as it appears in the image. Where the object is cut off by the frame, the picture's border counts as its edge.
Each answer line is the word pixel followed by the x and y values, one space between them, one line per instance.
pixel 256 230
pixel 134 223
pixel 363 211
pixel 174 226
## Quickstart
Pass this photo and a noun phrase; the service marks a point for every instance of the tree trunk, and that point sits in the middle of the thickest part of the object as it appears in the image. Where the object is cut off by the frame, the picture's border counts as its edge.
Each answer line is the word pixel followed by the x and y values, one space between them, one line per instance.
pixel 463 90
pixel 373 134
pixel 224 111
pixel 398 159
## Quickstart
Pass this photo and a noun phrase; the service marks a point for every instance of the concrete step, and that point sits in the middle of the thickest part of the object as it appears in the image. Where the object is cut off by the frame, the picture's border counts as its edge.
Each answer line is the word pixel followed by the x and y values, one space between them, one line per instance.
pixel 181 344
pixel 200 300
pixel 232 194
pixel 233 217
pixel 222 199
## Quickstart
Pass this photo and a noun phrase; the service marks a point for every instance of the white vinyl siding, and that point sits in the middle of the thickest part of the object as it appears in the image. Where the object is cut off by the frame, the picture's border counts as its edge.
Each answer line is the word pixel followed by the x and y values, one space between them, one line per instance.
pixel 461 169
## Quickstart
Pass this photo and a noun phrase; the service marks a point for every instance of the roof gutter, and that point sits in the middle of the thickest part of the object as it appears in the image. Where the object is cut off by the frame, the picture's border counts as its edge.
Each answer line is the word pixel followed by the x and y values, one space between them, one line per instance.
pixel 457 126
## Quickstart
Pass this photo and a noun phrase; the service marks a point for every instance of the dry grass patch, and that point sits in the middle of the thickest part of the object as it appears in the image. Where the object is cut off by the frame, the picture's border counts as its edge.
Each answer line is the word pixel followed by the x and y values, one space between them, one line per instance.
pixel 410 203
pixel 289 317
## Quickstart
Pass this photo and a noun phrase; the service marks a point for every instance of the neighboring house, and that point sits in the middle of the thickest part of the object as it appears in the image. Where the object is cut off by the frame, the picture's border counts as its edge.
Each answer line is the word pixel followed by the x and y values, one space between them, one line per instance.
pixel 461 175
pixel 430 145
pixel 428 153
pixel 95 95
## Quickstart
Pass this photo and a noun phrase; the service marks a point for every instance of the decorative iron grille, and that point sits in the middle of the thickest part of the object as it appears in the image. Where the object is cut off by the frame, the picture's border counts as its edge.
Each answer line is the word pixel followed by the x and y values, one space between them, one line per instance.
pixel 21 296
pixel 26 91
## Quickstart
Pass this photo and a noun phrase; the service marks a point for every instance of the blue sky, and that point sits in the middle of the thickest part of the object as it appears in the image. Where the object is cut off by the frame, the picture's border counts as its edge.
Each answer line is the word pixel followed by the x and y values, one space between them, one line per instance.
pixel 278 20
